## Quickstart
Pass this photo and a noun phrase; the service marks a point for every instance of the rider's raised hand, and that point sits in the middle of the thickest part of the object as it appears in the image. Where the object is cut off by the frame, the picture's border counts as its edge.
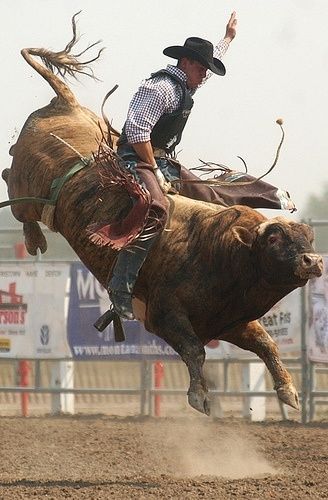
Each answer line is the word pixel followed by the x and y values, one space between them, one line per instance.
pixel 231 27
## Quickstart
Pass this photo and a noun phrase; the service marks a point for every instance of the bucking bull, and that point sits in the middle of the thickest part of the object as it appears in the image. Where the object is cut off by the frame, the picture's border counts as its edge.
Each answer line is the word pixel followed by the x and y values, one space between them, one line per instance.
pixel 210 275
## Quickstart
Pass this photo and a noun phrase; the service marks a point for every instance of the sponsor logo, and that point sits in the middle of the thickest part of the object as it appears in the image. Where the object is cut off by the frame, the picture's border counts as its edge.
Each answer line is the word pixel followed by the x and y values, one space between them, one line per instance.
pixel 12 309
pixel 4 345
pixel 44 335
pixel 44 340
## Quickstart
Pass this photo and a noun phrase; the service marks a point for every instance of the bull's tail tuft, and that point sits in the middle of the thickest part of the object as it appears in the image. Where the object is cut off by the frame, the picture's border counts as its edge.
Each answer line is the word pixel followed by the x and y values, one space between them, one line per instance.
pixel 64 63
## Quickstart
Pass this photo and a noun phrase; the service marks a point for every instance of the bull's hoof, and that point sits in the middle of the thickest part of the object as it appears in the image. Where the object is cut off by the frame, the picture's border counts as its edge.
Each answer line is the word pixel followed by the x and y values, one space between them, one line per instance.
pixel 199 401
pixel 288 395
pixel 34 238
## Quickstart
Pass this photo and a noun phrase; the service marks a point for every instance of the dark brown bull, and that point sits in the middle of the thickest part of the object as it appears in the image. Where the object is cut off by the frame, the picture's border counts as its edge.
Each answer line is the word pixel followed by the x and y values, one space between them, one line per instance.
pixel 213 274
pixel 210 275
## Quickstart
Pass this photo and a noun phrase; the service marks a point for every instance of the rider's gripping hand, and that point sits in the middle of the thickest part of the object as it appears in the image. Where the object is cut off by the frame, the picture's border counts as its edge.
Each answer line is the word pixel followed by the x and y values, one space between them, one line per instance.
pixel 165 186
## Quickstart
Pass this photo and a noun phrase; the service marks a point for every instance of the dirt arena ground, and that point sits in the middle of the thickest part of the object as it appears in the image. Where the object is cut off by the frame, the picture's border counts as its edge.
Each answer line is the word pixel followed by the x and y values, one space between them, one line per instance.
pixel 100 457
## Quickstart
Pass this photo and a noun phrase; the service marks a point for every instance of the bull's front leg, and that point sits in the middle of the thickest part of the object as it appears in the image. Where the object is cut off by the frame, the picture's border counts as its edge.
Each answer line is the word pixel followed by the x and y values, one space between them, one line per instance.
pixel 255 339
pixel 175 328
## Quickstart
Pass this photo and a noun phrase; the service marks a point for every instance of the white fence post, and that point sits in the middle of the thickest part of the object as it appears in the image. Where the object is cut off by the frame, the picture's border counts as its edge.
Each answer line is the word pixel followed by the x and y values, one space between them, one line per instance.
pixel 62 375
pixel 254 380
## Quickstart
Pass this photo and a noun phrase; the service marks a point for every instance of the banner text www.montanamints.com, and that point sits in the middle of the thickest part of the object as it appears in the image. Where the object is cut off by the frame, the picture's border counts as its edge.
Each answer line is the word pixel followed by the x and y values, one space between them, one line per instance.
pixel 119 350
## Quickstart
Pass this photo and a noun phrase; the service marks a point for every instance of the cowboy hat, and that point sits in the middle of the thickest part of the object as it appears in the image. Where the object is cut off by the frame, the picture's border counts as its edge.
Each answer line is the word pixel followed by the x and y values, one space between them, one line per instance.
pixel 198 49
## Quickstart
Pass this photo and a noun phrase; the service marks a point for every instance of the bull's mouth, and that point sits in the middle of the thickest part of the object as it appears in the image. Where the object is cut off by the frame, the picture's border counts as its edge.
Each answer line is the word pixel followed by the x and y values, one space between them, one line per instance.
pixel 309 266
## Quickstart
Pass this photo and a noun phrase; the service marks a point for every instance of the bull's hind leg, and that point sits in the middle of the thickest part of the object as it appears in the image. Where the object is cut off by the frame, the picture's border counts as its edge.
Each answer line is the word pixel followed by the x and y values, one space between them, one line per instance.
pixel 34 238
pixel 255 339
pixel 177 331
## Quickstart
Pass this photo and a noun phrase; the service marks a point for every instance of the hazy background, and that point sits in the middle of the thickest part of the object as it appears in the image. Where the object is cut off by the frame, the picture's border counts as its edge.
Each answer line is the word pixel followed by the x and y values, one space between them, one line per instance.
pixel 276 67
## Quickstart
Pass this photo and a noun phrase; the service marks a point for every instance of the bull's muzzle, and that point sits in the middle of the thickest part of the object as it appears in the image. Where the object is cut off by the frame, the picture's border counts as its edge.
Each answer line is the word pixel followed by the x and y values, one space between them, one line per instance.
pixel 309 265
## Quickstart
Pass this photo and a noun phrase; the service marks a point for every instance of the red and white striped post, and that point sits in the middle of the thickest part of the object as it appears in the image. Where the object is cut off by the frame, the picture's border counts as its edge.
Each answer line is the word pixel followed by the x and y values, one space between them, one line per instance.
pixel 158 382
pixel 24 366
pixel 24 371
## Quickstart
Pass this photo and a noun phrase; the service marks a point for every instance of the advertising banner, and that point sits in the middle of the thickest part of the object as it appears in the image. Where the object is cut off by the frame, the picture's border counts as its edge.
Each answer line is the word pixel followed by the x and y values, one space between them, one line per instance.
pixel 32 310
pixel 88 301
pixel 318 317
pixel 283 322
pixel 48 311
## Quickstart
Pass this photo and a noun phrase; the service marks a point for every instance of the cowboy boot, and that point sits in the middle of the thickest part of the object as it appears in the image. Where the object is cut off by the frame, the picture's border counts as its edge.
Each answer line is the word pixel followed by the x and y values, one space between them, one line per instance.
pixel 125 274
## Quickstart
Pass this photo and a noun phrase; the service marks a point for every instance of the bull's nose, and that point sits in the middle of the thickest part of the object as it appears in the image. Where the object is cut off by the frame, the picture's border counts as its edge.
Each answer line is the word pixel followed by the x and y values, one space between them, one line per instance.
pixel 313 263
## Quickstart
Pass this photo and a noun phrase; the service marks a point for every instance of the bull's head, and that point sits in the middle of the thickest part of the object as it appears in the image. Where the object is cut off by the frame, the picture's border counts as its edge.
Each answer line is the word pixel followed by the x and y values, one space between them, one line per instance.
pixel 283 251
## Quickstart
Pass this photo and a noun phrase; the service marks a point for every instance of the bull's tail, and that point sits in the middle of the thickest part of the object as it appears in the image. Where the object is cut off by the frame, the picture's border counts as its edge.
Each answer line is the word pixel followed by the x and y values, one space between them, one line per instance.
pixel 112 133
pixel 64 63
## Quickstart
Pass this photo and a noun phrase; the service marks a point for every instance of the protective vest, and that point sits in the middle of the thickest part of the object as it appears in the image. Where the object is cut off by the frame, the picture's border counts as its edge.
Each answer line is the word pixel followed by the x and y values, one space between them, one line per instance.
pixel 167 132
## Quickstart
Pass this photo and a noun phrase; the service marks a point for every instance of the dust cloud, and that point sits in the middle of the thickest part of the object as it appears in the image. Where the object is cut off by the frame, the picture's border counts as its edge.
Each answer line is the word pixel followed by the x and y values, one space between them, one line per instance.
pixel 193 448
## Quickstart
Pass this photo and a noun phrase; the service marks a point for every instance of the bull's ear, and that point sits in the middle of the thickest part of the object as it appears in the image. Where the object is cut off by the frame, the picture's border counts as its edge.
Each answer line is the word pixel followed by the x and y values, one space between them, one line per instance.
pixel 243 235
pixel 308 230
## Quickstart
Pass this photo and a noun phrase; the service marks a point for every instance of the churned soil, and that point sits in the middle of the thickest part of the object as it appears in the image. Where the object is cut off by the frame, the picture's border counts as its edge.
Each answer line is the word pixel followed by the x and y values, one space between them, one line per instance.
pixel 100 457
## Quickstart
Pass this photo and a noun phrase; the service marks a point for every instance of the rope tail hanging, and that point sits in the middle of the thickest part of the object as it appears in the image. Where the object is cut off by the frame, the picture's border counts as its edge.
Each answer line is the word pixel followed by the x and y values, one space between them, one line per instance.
pixel 209 167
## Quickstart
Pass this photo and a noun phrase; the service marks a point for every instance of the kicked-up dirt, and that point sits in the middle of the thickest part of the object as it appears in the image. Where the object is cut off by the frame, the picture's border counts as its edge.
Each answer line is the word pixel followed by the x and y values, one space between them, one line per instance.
pixel 100 457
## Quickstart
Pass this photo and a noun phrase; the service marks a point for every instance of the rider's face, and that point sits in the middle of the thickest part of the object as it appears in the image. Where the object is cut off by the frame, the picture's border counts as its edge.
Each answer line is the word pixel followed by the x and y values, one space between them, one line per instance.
pixel 194 70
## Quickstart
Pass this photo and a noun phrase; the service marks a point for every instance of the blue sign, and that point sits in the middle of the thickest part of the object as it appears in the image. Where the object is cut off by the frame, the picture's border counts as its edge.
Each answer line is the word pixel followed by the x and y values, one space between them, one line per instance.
pixel 87 302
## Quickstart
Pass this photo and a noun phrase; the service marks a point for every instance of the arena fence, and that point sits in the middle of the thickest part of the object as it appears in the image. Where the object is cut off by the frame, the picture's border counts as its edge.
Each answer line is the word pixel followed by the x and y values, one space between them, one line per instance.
pixel 149 388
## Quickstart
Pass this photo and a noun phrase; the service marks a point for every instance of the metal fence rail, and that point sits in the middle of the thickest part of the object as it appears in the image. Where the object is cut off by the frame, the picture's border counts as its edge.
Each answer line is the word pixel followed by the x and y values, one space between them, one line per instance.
pixel 147 391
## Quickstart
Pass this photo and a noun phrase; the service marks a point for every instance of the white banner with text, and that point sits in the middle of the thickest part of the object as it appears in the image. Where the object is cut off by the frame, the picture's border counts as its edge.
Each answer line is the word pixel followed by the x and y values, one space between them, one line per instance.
pixel 318 317
pixel 32 310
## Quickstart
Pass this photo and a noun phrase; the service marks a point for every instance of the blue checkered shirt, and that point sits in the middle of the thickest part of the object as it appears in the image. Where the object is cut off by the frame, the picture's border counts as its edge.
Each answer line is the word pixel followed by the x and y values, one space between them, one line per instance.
pixel 157 96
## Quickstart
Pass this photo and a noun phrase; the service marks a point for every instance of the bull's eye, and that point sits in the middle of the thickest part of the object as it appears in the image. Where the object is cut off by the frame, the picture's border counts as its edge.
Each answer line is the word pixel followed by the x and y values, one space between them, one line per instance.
pixel 272 239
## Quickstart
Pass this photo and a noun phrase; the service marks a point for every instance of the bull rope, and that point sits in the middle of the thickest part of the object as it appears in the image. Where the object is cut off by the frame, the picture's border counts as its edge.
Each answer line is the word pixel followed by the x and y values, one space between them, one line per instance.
pixel 32 199
pixel 55 189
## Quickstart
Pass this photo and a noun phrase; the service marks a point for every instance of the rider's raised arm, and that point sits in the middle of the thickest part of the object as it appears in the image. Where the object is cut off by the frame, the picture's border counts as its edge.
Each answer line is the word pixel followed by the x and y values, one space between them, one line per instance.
pixel 222 46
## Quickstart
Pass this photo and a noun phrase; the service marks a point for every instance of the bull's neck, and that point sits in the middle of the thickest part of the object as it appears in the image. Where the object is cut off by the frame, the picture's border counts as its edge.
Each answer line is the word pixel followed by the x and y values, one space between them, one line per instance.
pixel 261 295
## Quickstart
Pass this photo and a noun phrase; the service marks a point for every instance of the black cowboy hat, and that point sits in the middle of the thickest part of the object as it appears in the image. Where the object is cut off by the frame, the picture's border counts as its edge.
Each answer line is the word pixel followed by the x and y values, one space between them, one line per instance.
pixel 199 50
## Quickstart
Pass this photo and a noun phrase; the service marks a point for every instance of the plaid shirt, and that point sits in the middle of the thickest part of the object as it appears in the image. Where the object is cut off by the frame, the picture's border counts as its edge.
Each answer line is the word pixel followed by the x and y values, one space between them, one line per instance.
pixel 157 96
